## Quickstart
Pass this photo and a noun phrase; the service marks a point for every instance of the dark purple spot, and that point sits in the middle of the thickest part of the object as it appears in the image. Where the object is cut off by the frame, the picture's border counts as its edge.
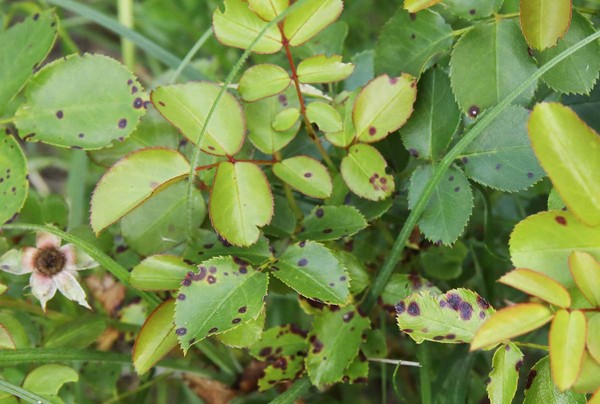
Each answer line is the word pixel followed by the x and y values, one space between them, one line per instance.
pixel 530 378
pixel 307 175
pixel 129 82
pixel 472 11
pixel 454 301
pixel 438 338
pixel 450 336
pixel 138 103
pixel 302 262
pixel 529 175
pixel 498 166
pixel 413 36
pixel 243 270
pixel 36 16
pixel 201 273
pixel 265 351
pixel 81 135
pixel 465 160
pixel 319 212
pixel 372 131
pixel 211 279
pixel 481 302
pixel 473 111
pixel 393 80
pixel 466 310
pixel 242 309
pixel 181 331
pixel 181 296
pixel 327 231
pixel 456 189
pixel 283 100
pixel 407 330
pixel 342 278
pixel 213 330
pixel 302 244
pixel 208 246
pixel 186 282
pixel 123 123
pixel 162 104
pixel 59 114
pixel 134 90
pixel 400 307
pixel 518 365
pixel 413 152
pixel 413 309
pixel 482 314
pixel 451 178
pixel 212 270
pixel 443 303
pixel 413 16
pixel 236 320
pixel 561 220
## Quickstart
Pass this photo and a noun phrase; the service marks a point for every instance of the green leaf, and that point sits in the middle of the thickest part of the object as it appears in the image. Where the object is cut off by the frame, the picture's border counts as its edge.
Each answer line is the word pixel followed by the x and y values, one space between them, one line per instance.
pixel 586 62
pixel 326 117
pixel 268 9
pixel 472 9
pixel 331 223
pixel 315 15
pixel 417 5
pixel 48 379
pixel 76 334
pixel 323 69
pixel 160 272
pixel 261 81
pixel 156 338
pixel 221 296
pixel 375 345
pixel 238 26
pixel 240 203
pixel 104 105
pixel 284 222
pixel 14 185
pixel 568 150
pixel 409 43
pixel 25 46
pixel 314 272
pixel 207 244
pixel 567 345
pixel 489 62
pixel 383 106
pixel 261 114
pixel 511 322
pixel 335 340
pixel 306 175
pixel 6 340
pixel 449 208
pixel 246 334
pixel 593 330
pixel 502 157
pixel 544 242
pixel 357 371
pixel 538 285
pixel 161 223
pixel 444 262
pixel 504 376
pixel 589 376
pixel 364 171
pixel 545 21
pixel 585 270
pixel 451 318
pixel 541 389
pixel 431 127
pixel 286 119
pixel 555 202
pixel 359 278
pixel 347 134
pixel 132 181
pixel 400 286
pixel 586 106
pixel 187 105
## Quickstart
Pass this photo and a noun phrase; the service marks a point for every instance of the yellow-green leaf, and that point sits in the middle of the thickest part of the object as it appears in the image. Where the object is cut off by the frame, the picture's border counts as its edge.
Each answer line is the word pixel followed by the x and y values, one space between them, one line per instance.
pixel 585 270
pixel 544 21
pixel 511 322
pixel 286 119
pixel 504 376
pixel 48 379
pixel 363 170
pixel 567 346
pixel 323 69
pixel 589 376
pixel 417 5
pixel 306 175
pixel 268 9
pixel 326 117
pixel 263 81
pixel 307 21
pixel 569 151
pixel 593 336
pixel 539 285
pixel 160 272
pixel 6 340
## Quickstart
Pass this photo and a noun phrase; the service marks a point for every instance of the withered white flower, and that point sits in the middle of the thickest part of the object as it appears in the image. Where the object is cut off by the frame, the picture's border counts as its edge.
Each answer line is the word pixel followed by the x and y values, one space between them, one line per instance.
pixel 51 266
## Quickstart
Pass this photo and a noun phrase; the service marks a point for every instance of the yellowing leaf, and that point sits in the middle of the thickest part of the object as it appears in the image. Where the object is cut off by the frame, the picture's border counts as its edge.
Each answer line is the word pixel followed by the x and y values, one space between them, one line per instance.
pixel 383 106
pixel 363 170
pixel 326 117
pixel 569 151
pixel 589 376
pixel 511 322
pixel 585 270
pixel 567 346
pixel 262 81
pixel 545 21
pixel 539 285
pixel 307 21
pixel 268 9
pixel 417 5
pixel 323 69
pixel 505 374
pixel 593 336
pixel 286 119
pixel 306 175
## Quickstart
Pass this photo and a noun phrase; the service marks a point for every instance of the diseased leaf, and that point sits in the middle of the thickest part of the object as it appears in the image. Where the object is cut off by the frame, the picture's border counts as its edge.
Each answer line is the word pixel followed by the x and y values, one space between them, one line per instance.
pixel 81 101
pixel 25 46
pixel 314 272
pixel 207 244
pixel 187 105
pixel 221 296
pixel 364 171
pixel 160 272
pixel 323 69
pixel 359 278
pixel 132 181
pixel 331 223
pixel 585 270
pixel 246 334
pixel 543 22
pixel 544 242
pixel 488 62
pixel 240 202
pixel 431 127
pixel 586 61
pixel 568 150
pixel 400 286
pixel 502 157
pixel 306 175
pixel 14 185
pixel 261 81
pixel 315 15
pixel 567 345
pixel 410 43
pixel 538 285
pixel 268 9
pixel 417 5
pixel 593 330
pixel 357 371
pixel 511 322
pixel 541 389
pixel 156 338
pixel 48 379
pixel 238 26
pixel 472 9
pixel 505 374
pixel 327 357
pixel 326 117
pixel 449 208
pixel 383 106
pixel 375 345
pixel 451 318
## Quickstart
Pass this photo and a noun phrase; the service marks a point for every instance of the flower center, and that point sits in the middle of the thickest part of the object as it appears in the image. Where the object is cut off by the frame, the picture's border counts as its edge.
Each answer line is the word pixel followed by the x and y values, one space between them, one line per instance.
pixel 50 261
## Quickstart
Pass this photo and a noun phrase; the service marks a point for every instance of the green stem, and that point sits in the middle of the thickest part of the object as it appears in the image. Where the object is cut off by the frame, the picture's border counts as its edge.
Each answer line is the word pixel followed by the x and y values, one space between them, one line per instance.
pixel 23 394
pixel 125 13
pixel 100 257
pixel 8 120
pixel 298 389
pixel 76 188
pixel 530 345
pixel 190 55
pixel 425 372
pixel 485 119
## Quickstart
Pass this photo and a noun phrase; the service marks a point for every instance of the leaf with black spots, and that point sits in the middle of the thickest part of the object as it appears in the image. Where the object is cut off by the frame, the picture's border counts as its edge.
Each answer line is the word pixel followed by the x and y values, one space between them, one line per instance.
pixel 364 171
pixel 246 334
pixel 208 244
pixel 306 175
pixel 14 184
pixel 160 272
pixel 331 223
pixel 400 286
pixel 472 9
pixel 541 389
pixel 504 376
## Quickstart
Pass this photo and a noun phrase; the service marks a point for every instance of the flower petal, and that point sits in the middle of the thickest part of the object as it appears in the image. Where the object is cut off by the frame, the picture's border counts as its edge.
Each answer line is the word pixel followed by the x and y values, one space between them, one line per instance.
pixel 43 287
pixel 28 259
pixel 11 262
pixel 70 287
pixel 46 240
pixel 77 260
